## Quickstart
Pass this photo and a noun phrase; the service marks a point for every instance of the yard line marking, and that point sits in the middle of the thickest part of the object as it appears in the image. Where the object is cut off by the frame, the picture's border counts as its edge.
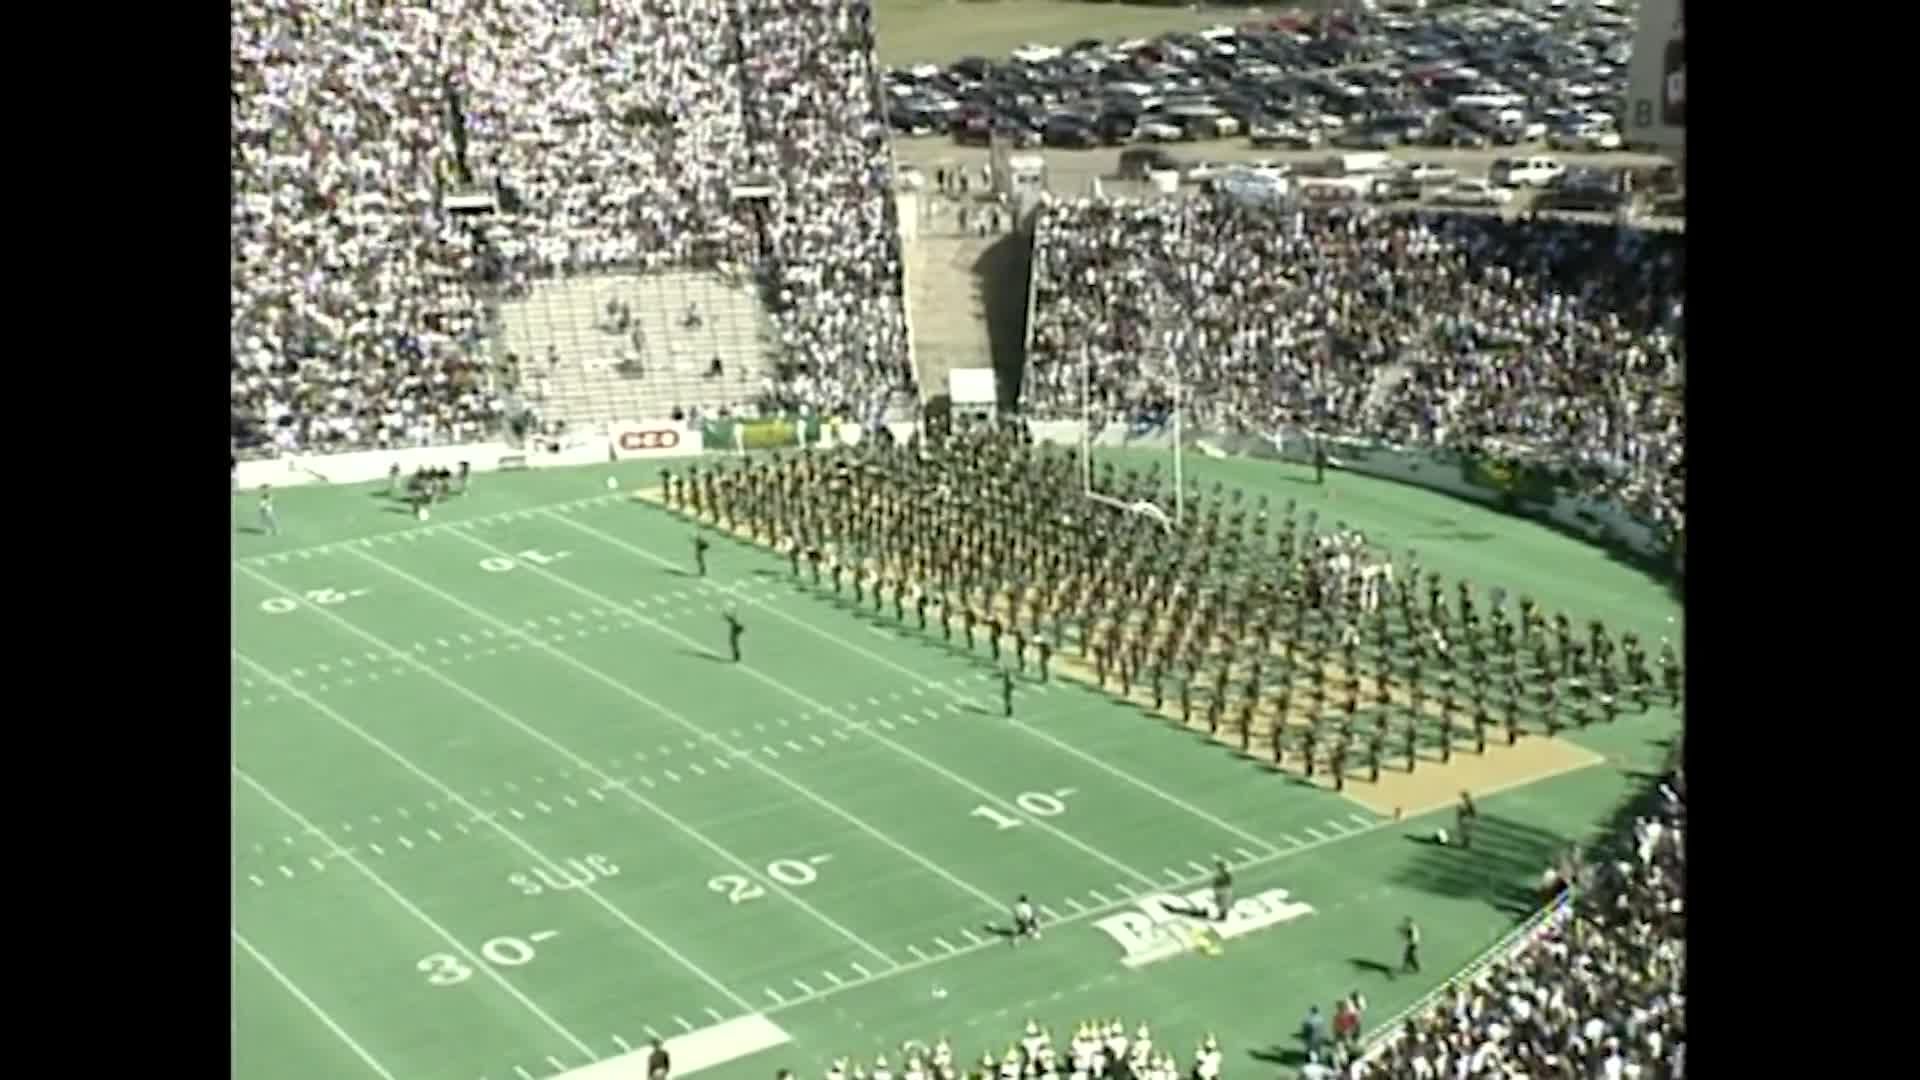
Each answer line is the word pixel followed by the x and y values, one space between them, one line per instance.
pixel 570 801
pixel 1066 747
pixel 684 1026
pixel 770 751
pixel 623 1044
pixel 455 797
pixel 542 807
pixel 436 836
pixel 584 766
pixel 1076 905
pixel 721 763
pixel 794 746
pixel 775 995
pixel 804 988
pixel 651 1033
pixel 1292 840
pixel 313 1007
pixel 1334 826
pixel 697 770
pixel 648 780
pixel 831 977
pixel 257 882
pixel 406 843
pixel 864 973
pixel 594 794
pixel 454 944
pixel 1124 889
pixel 1041 824
pixel 523 1073
pixel 917 954
pixel 284 872
pixel 673 776
pixel 1099 898
pixel 718 1018
pixel 817 740
pixel 1051 915
pixel 945 944
pixel 517 815
pixel 1315 833
pixel 973 937
pixel 558 1065
pixel 1360 819
pixel 376 849
pixel 1244 853
pixel 1199 867
pixel 1171 874
pixel 885 724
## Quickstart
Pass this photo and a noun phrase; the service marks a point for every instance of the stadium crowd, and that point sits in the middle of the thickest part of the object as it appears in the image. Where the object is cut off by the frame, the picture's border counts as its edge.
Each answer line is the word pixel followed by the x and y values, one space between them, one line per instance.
pixel 611 133
pixel 1098 1050
pixel 1556 339
pixel 1600 990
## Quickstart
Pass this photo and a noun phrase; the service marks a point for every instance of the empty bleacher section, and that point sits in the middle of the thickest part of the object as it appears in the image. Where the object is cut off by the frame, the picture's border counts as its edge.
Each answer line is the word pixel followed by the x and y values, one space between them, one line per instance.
pixel 614 346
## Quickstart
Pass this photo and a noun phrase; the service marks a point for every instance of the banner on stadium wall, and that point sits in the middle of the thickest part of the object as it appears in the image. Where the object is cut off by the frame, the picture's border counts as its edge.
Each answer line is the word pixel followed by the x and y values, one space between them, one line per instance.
pixel 653 439
pixel 778 433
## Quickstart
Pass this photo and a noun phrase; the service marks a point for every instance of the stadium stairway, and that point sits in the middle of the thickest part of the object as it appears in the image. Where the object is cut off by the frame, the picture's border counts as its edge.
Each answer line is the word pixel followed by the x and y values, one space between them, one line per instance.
pixel 949 294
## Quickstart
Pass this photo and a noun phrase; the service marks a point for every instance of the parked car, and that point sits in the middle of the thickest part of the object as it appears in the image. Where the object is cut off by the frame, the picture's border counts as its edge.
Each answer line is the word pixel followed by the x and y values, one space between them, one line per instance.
pixel 1473 191
pixel 1525 172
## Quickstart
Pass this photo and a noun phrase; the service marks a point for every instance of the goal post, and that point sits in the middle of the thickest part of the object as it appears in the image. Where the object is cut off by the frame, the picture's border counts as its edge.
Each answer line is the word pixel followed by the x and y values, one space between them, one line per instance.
pixel 1089 422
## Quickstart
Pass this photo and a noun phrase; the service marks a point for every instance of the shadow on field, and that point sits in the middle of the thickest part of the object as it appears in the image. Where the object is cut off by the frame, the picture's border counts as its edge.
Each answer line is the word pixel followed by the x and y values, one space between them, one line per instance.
pixel 1280 1055
pixel 1502 867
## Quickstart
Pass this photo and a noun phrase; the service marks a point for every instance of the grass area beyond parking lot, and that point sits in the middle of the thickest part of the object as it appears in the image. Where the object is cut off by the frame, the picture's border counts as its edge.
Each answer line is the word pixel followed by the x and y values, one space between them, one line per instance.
pixel 914 31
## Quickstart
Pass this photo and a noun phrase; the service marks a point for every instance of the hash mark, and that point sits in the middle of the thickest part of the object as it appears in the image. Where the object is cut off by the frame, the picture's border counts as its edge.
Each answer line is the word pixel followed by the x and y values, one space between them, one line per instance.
pixel 864 973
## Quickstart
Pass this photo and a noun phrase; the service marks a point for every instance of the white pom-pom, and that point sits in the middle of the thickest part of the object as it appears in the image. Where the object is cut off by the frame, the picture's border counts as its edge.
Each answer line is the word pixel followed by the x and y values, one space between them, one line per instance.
pixel 1440 836
pixel 422 514
pixel 612 483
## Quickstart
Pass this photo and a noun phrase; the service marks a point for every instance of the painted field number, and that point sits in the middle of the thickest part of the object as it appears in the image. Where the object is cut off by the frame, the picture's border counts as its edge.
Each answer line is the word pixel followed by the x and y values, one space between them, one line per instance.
pixel 792 873
pixel 282 605
pixel 500 564
pixel 446 969
pixel 1040 804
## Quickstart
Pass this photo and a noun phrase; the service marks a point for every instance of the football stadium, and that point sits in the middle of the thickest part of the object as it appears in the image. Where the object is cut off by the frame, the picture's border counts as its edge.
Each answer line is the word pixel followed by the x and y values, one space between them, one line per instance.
pixel 758 552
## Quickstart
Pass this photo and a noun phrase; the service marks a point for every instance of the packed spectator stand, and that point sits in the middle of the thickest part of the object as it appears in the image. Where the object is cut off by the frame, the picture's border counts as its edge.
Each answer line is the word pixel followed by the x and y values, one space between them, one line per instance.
pixel 613 133
pixel 1552 339
pixel 1600 990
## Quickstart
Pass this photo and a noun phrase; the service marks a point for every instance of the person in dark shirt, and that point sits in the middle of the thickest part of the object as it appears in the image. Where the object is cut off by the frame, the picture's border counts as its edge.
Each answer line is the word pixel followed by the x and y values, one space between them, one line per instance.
pixel 659 1062
pixel 734 630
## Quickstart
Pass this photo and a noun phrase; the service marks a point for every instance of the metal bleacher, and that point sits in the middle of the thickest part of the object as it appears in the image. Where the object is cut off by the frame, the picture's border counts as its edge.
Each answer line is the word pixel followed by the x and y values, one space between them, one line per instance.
pixel 578 367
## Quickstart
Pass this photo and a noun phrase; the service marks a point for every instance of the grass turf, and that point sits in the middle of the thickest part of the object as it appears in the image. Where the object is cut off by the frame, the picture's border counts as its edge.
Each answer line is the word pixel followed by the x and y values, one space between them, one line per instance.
pixel 453 741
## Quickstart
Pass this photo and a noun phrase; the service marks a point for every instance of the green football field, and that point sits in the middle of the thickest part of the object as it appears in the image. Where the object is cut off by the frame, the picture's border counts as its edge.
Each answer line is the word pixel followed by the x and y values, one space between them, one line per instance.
pixel 503 809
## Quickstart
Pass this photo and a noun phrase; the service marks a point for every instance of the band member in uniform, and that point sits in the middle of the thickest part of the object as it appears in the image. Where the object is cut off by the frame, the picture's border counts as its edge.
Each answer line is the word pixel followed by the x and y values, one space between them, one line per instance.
pixel 734 630
pixel 700 546
pixel 1222 890
pixel 1006 693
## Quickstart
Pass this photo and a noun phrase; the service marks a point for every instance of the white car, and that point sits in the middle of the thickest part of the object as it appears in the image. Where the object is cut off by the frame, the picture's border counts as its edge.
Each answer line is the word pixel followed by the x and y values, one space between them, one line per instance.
pixel 1160 131
pixel 1473 192
pixel 1584 139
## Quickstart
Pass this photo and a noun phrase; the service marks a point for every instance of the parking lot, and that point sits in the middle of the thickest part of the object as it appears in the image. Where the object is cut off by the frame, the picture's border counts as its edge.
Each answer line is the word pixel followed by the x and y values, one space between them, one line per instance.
pixel 1455 90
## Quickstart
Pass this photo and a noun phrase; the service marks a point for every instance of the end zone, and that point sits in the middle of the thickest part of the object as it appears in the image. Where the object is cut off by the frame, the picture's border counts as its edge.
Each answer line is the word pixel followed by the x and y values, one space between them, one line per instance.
pixel 694 1051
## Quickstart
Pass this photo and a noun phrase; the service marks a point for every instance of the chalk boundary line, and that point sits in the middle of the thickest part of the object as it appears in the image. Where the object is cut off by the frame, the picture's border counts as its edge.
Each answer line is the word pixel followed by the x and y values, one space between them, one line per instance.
pixel 311 550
